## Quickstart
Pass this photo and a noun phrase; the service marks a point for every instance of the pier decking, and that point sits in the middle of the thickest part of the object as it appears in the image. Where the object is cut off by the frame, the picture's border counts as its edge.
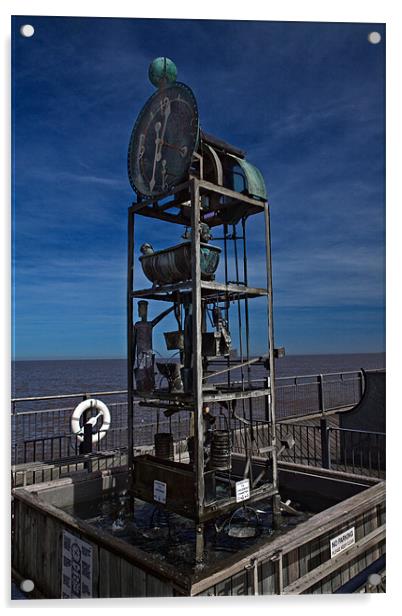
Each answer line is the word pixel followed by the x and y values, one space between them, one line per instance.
pixel 328 475
pixel 298 561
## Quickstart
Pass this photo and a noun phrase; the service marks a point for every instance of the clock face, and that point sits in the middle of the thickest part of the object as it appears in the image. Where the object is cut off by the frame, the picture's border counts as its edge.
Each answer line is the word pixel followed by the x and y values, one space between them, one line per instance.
pixel 163 140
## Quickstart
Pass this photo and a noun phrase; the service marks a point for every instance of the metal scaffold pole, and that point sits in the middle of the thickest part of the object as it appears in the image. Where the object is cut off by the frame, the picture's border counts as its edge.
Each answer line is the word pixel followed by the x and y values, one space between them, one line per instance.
pixel 130 384
pixel 197 362
pixel 276 498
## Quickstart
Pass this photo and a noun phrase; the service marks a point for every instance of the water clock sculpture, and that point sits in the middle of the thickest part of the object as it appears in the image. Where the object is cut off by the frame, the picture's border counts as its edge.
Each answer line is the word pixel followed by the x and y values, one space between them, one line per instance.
pixel 193 181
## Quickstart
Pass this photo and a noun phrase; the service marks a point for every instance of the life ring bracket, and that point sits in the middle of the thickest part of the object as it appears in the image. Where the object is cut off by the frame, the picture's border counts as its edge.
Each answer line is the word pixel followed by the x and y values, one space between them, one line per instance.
pixel 102 410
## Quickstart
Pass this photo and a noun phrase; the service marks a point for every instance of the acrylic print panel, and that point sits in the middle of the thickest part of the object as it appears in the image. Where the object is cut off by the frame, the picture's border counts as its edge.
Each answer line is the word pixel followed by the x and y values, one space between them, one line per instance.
pixel 198 307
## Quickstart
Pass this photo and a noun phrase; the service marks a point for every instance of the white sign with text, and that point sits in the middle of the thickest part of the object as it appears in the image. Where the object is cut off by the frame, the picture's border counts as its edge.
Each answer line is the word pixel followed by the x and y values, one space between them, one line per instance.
pixel 242 490
pixel 77 567
pixel 159 491
pixel 342 542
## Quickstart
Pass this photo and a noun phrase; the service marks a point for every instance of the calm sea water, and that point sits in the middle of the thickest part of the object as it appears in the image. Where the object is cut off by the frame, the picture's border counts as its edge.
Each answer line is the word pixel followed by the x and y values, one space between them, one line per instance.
pixel 52 377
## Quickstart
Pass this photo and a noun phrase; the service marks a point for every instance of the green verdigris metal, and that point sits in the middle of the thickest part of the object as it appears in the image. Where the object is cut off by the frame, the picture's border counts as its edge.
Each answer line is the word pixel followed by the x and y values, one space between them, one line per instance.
pixel 162 71
pixel 173 264
pixel 241 176
pixel 254 179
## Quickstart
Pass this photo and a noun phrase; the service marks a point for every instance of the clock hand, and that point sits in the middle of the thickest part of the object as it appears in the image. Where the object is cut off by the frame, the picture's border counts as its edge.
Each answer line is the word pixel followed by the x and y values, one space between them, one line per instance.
pixel 157 147
pixel 159 139
pixel 164 174
pixel 182 149
pixel 166 111
pixel 141 147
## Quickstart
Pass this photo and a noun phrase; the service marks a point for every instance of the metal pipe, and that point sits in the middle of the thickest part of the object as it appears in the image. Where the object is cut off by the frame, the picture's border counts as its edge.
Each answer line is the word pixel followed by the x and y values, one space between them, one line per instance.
pixel 130 326
pixel 245 276
pixel 197 358
pixel 225 246
pixel 239 319
pixel 245 363
pixel 271 337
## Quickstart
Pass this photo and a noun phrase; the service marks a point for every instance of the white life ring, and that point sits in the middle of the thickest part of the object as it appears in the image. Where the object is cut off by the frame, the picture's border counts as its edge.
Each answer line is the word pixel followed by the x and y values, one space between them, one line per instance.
pixel 101 409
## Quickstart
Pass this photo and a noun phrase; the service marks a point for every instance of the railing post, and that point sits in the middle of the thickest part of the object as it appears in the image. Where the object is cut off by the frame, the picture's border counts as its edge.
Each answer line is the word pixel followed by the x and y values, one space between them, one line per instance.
pixel 266 401
pixel 361 384
pixel 86 445
pixel 325 449
pixel 321 396
pixel 278 565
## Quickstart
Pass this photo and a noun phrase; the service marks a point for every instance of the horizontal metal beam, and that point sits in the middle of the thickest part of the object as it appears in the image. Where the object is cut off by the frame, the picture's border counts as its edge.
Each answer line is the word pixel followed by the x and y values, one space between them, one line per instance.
pixel 177 219
pixel 237 395
pixel 219 396
pixel 137 207
pixel 208 288
pixel 227 192
pixel 236 366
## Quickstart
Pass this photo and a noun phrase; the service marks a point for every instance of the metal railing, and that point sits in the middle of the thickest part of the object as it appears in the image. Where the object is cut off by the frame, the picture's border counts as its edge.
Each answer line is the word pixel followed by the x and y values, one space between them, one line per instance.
pixel 353 451
pixel 40 434
pixel 357 451
pixel 298 396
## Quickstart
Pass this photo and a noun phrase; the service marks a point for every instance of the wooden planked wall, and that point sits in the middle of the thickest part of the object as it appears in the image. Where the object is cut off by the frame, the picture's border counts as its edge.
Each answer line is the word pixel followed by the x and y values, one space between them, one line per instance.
pixel 291 563
pixel 37 555
pixel 309 557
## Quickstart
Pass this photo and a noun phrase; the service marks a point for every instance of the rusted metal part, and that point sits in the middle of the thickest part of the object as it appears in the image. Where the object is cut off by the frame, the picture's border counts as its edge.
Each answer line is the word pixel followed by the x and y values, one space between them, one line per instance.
pixel 231 206
pixel 173 264
pixel 211 290
pixel 178 478
pixel 220 450
pixel 171 371
pixel 164 445
pixel 212 171
pixel 279 352
pixel 214 344
pixel 174 340
pixel 222 200
pixel 220 144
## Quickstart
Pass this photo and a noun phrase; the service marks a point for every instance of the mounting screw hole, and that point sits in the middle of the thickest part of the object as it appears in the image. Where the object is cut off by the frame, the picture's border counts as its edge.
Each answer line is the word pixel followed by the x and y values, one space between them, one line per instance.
pixel 27 585
pixel 374 38
pixel 374 579
pixel 27 30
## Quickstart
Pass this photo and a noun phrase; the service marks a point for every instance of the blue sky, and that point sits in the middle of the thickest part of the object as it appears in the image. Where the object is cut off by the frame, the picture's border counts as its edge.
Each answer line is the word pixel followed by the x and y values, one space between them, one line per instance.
pixel 305 100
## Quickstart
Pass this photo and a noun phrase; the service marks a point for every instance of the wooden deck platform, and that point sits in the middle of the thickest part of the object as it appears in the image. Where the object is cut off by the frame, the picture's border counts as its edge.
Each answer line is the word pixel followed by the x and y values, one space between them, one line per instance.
pixel 298 561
